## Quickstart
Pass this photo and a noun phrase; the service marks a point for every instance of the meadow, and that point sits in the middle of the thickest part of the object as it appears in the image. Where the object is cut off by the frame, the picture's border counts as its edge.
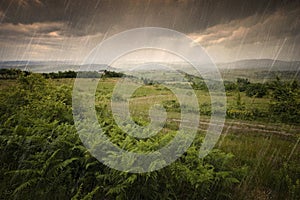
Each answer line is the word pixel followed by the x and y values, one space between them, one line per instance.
pixel 42 157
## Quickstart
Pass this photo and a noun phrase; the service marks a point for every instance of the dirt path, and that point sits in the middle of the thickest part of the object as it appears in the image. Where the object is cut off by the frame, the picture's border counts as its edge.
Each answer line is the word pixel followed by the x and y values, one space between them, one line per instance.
pixel 284 130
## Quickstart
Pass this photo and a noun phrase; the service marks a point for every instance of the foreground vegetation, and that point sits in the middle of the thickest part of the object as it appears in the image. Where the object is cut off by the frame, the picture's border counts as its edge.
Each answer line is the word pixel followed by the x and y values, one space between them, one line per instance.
pixel 42 156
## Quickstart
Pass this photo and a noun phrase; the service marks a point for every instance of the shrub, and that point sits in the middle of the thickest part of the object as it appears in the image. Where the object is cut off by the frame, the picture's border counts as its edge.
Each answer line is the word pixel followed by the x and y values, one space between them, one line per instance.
pixel 256 89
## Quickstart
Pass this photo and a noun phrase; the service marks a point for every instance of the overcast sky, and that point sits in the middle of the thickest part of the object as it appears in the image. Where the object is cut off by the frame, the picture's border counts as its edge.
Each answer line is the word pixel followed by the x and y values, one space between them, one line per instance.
pixel 228 29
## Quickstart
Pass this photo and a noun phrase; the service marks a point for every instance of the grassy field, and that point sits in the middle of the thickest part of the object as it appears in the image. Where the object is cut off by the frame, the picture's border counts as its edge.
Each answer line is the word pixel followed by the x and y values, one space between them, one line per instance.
pixel 265 148
pixel 267 152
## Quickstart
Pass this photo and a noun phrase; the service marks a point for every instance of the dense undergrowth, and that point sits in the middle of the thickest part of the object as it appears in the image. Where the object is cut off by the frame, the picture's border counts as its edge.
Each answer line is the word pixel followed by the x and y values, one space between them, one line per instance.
pixel 42 157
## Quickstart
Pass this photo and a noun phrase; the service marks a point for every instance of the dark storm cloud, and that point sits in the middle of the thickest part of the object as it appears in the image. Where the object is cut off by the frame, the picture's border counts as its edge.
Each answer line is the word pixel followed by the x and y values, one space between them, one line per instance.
pixel 29 30
pixel 61 27
pixel 256 28
pixel 91 16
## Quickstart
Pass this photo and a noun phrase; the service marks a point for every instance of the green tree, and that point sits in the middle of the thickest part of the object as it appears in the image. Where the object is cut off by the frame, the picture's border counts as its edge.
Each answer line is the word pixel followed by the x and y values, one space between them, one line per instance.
pixel 258 90
pixel 242 84
pixel 285 104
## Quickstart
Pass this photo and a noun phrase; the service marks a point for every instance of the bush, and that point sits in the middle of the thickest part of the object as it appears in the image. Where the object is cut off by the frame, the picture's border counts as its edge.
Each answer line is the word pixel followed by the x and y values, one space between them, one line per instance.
pixel 242 84
pixel 43 158
pixel 285 104
pixel 257 90
pixel 230 86
pixel 239 114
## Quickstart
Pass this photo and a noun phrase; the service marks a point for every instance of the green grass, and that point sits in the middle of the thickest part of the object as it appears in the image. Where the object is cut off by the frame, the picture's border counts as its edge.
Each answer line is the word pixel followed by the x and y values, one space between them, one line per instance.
pixel 271 160
pixel 265 156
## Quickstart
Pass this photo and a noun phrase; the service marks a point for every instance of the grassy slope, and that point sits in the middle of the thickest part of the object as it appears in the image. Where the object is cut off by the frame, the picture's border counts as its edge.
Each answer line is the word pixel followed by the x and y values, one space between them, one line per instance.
pixel 253 143
pixel 265 153
pixel 262 146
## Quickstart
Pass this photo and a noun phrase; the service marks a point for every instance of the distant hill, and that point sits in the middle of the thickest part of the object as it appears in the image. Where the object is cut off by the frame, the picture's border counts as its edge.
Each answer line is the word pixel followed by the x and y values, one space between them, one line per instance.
pixel 51 66
pixel 262 64
pixel 244 68
pixel 260 70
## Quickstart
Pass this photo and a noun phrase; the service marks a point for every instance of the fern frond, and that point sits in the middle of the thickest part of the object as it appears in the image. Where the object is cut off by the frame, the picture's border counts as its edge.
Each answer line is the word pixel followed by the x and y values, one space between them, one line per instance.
pixel 25 185
pixel 78 193
pixel 23 172
pixel 91 194
pixel 49 161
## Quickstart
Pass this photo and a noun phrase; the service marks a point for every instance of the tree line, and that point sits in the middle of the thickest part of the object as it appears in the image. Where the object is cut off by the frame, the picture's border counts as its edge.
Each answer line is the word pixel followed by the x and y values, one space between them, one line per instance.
pixel 16 73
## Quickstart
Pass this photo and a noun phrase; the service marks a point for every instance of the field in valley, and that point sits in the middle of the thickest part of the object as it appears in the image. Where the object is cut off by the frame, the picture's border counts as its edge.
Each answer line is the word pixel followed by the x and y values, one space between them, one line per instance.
pixel 257 156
